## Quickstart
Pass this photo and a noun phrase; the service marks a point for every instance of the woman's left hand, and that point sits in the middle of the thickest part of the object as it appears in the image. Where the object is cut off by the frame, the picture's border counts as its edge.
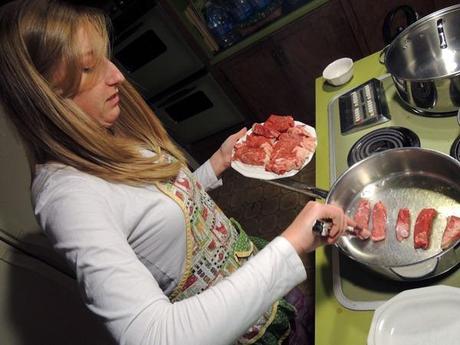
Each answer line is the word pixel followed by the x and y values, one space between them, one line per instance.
pixel 222 158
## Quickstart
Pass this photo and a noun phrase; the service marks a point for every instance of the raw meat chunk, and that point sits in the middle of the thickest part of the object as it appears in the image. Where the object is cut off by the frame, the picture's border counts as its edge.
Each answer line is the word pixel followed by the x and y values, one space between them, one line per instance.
pixel 379 221
pixel 280 123
pixel 265 131
pixel 278 145
pixel 423 227
pixel 403 224
pixel 287 155
pixel 291 150
pixel 257 141
pixel 251 155
pixel 305 139
pixel 451 232
pixel 362 215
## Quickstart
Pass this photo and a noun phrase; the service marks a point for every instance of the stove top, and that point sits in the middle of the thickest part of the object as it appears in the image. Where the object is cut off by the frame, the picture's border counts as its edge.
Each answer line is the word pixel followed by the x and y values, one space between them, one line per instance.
pixel 437 133
pixel 356 287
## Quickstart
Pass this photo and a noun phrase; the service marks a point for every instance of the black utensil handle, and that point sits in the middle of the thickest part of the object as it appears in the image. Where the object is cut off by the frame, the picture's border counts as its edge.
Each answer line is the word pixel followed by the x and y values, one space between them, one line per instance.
pixel 322 227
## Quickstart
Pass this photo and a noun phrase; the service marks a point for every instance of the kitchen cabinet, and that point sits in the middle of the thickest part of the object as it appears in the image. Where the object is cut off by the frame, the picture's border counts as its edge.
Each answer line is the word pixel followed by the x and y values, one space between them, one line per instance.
pixel 276 72
pixel 367 18
pixel 277 75
pixel 438 4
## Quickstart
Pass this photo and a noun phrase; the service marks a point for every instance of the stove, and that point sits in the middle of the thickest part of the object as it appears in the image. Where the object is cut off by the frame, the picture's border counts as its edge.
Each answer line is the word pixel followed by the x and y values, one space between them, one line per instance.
pixel 356 287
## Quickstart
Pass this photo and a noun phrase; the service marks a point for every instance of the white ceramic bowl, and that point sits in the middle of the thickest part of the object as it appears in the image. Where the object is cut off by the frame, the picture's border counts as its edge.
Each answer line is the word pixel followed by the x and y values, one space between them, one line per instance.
pixel 339 72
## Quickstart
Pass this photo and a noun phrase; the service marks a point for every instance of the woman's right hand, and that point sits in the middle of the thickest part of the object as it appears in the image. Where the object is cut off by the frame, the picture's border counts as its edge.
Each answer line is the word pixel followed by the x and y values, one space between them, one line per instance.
pixel 300 232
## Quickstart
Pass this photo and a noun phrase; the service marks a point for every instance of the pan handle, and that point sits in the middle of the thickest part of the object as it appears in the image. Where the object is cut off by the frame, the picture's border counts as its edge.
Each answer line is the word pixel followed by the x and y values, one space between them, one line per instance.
pixel 300 187
pixel 417 270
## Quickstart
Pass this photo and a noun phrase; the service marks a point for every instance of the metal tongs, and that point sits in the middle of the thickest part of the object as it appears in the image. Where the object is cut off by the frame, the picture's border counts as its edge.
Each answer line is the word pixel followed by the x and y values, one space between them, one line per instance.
pixel 322 227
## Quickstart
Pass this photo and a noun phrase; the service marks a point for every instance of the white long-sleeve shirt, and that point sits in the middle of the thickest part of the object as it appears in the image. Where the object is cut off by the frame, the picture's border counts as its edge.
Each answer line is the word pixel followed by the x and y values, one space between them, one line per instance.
pixel 127 247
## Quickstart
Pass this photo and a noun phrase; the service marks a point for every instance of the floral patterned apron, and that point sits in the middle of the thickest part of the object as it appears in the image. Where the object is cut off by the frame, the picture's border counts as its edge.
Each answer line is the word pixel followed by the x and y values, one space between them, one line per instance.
pixel 216 247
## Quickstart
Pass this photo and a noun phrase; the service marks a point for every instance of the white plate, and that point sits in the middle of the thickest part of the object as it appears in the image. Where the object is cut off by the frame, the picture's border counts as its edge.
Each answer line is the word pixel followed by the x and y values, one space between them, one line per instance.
pixel 259 172
pixel 425 316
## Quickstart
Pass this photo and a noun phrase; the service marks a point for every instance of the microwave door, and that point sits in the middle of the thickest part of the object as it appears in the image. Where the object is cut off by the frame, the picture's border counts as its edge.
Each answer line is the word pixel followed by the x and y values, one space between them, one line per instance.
pixel 197 111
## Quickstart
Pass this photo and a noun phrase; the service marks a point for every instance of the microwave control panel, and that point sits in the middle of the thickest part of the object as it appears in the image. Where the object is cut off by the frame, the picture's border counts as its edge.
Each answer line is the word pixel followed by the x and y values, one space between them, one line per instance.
pixel 362 107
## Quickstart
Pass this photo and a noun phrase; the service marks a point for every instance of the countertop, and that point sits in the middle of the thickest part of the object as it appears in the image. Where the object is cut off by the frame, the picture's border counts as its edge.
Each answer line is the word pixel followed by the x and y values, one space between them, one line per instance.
pixel 334 324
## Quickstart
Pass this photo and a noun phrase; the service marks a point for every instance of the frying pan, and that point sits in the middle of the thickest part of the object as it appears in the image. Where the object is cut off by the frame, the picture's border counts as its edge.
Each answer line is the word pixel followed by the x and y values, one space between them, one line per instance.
pixel 415 178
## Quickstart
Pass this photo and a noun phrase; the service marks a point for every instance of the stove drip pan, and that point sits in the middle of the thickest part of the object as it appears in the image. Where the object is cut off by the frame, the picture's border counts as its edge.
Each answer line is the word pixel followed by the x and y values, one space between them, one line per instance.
pixel 455 149
pixel 380 140
pixel 358 288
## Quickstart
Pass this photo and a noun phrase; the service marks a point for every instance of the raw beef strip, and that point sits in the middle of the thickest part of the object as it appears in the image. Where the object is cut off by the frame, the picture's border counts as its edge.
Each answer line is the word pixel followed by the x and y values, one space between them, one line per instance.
pixel 379 221
pixel 280 123
pixel 362 215
pixel 451 233
pixel 423 227
pixel 265 131
pixel 403 224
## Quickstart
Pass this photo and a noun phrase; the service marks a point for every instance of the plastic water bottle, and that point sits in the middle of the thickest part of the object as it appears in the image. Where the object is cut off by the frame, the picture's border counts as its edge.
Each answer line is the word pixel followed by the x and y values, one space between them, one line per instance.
pixel 260 4
pixel 241 10
pixel 221 25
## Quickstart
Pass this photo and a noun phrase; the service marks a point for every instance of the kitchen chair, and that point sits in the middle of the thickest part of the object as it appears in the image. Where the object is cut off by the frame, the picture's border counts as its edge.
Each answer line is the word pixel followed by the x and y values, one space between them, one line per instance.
pixel 39 301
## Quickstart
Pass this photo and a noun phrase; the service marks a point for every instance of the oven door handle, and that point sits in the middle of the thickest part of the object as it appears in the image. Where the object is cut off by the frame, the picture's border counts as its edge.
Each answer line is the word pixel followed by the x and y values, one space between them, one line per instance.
pixel 179 94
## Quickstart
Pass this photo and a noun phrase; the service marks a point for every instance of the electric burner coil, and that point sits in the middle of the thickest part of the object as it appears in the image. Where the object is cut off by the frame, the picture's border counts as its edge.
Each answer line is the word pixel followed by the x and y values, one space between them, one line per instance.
pixel 381 140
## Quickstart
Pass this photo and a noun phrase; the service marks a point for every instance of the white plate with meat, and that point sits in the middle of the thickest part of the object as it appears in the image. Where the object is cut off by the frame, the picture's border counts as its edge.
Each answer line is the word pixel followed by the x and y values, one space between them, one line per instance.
pixel 265 155
pixel 429 315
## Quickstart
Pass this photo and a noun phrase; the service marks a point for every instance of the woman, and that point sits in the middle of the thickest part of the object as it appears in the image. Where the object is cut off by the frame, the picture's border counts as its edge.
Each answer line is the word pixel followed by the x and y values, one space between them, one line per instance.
pixel 154 257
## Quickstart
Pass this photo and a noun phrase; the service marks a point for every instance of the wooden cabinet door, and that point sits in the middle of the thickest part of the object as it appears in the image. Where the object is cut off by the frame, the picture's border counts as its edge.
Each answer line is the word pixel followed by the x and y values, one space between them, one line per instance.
pixel 310 44
pixel 257 76
pixel 367 17
pixel 439 4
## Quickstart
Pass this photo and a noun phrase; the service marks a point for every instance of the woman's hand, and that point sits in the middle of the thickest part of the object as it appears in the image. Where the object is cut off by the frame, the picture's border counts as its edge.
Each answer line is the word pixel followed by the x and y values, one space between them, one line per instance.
pixel 221 159
pixel 300 233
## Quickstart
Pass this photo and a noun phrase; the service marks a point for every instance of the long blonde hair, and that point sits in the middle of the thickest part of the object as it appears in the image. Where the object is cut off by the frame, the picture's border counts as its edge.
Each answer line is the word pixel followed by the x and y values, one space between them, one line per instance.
pixel 36 37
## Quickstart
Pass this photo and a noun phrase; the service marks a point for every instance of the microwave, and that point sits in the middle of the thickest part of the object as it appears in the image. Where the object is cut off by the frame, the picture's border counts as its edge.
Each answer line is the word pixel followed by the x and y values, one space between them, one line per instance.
pixel 152 53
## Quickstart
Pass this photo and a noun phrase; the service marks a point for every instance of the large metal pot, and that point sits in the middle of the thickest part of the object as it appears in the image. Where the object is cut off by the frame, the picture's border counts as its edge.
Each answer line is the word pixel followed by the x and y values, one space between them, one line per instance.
pixel 415 178
pixel 424 61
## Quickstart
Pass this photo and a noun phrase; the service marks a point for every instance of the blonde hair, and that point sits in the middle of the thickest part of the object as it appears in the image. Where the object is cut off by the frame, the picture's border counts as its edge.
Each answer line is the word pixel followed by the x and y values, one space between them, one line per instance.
pixel 38 36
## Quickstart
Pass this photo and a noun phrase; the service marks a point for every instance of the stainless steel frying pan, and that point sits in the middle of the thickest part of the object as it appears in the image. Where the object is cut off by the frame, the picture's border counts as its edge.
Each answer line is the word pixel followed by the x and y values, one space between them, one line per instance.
pixel 407 177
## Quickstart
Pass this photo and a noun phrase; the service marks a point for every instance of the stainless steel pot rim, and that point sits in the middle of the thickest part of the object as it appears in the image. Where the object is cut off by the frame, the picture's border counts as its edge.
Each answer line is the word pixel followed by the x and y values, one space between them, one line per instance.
pixel 410 28
pixel 423 79
pixel 400 149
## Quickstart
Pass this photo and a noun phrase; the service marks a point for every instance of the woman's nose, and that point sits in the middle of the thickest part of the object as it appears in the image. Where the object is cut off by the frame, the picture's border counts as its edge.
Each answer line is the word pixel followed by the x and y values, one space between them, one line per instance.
pixel 114 74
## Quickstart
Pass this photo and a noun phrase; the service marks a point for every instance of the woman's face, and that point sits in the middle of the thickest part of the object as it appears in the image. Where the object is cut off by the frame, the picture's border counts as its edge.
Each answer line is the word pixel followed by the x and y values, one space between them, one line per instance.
pixel 98 97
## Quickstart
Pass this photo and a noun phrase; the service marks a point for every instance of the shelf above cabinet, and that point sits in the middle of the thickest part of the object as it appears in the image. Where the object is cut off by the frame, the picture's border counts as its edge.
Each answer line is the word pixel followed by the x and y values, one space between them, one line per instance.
pixel 268 30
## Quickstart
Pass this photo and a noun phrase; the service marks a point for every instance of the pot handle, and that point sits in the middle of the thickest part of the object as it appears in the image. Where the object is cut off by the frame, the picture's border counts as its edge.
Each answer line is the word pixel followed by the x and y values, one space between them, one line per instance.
pixel 441 34
pixel 417 270
pixel 388 22
pixel 300 187
pixel 383 54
